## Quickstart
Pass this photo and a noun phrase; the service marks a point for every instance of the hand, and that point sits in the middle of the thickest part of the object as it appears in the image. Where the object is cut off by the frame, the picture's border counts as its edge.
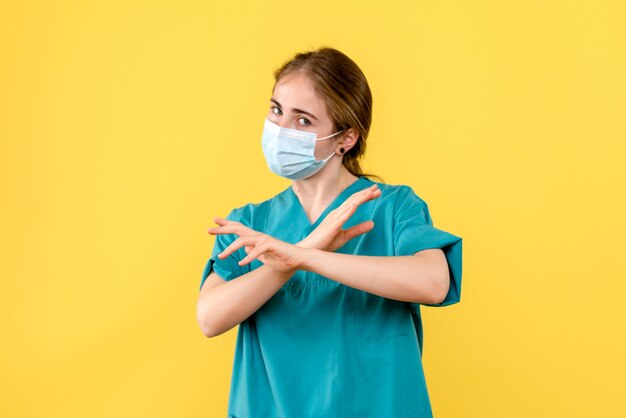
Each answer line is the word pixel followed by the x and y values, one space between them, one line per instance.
pixel 277 254
pixel 329 235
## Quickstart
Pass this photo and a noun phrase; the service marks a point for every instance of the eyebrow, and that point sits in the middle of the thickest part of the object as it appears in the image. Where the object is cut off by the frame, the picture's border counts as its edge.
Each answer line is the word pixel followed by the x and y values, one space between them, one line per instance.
pixel 295 110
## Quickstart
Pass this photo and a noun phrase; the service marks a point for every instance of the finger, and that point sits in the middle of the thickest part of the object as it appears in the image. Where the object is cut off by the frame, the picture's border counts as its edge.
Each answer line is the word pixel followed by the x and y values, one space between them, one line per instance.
pixel 361 193
pixel 226 229
pixel 358 198
pixel 346 213
pixel 263 244
pixel 364 195
pixel 358 230
pixel 231 229
pixel 222 221
pixel 235 245
pixel 370 193
pixel 339 216
pixel 256 251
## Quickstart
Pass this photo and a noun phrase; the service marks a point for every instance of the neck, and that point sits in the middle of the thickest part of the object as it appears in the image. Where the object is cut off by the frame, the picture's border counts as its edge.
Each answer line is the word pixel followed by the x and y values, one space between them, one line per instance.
pixel 324 185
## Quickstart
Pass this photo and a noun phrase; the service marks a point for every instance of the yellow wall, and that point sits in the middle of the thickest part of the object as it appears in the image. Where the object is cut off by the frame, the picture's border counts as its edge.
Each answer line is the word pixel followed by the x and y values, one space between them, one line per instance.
pixel 126 126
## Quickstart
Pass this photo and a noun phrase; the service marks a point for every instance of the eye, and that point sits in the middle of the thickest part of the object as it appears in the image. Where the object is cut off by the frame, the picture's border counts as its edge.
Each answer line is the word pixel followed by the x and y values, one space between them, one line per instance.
pixel 276 110
pixel 305 122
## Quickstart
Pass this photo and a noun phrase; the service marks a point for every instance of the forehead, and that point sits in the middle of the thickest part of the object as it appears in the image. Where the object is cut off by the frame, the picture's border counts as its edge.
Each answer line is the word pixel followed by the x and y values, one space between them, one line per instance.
pixel 296 90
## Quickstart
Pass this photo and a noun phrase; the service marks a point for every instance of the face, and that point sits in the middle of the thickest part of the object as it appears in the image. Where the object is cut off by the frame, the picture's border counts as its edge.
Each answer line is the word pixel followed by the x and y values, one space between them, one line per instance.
pixel 294 104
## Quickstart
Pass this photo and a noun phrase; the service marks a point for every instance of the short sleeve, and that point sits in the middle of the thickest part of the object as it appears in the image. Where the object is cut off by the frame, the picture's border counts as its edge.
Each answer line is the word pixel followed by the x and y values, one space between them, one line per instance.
pixel 227 268
pixel 414 231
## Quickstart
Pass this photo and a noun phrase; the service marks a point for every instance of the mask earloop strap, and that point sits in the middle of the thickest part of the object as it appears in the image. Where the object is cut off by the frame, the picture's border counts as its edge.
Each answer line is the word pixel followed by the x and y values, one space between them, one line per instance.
pixel 326 137
pixel 328 158
pixel 333 153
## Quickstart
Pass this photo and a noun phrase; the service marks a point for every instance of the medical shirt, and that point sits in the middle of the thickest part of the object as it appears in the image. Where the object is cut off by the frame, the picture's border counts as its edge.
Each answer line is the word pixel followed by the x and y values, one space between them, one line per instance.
pixel 318 348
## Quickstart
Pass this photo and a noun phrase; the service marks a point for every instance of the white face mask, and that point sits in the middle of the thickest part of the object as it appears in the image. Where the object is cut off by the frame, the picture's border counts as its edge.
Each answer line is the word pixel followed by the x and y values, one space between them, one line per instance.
pixel 290 153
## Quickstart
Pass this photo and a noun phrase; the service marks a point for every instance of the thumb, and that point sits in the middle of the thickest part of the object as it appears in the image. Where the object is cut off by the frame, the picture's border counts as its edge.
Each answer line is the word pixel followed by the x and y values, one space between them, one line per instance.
pixel 359 229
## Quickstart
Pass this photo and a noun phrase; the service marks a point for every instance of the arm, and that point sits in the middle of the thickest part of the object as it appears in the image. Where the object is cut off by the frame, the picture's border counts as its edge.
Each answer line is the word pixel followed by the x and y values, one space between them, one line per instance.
pixel 420 278
pixel 423 277
pixel 224 304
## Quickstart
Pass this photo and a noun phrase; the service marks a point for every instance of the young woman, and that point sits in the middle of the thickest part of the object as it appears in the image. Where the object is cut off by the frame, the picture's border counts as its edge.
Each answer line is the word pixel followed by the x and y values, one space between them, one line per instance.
pixel 326 278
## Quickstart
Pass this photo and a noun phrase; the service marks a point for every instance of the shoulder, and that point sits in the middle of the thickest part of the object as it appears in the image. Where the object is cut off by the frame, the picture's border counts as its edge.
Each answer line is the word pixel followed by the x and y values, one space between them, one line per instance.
pixel 400 194
pixel 406 203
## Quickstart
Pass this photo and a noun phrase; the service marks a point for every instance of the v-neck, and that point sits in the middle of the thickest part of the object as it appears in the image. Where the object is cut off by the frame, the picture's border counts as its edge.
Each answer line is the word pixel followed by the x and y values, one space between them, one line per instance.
pixel 341 197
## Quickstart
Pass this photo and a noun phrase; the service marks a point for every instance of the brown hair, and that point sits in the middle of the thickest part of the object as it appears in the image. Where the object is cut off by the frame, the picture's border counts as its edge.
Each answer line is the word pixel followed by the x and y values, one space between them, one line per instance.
pixel 345 91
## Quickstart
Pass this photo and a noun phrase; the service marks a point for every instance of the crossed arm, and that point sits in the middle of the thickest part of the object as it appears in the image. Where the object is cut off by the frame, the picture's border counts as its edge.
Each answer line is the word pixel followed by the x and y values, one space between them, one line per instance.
pixel 421 278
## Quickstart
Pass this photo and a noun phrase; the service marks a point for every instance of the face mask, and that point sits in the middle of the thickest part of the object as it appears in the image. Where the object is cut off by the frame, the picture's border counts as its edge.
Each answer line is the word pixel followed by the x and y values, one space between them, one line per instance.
pixel 290 153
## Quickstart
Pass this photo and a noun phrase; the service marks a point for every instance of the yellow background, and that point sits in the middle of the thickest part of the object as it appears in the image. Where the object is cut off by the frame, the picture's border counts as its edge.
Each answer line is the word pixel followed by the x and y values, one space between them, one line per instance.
pixel 126 126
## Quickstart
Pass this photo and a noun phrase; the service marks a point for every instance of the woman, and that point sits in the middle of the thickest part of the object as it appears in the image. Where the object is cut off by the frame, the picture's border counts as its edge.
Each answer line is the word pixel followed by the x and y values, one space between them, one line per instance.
pixel 327 277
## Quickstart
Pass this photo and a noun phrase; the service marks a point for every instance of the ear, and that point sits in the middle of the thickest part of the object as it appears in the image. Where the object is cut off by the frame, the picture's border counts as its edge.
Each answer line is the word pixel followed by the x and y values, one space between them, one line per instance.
pixel 347 140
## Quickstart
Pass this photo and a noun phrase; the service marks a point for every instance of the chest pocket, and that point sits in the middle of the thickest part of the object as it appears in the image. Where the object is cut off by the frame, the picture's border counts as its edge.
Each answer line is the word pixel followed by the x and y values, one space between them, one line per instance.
pixel 374 318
